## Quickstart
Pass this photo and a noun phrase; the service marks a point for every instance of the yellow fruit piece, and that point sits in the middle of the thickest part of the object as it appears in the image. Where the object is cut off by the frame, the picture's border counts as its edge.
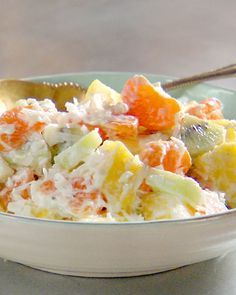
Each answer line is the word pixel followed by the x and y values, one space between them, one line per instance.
pixel 97 87
pixel 217 169
pixel 230 127
pixel 230 135
pixel 122 179
pixel 158 206
pixel 40 212
pixel 132 144
pixel 225 123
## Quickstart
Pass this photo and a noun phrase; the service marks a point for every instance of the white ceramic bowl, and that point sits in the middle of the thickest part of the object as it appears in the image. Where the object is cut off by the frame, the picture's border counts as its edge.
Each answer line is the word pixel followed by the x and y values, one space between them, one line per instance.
pixel 115 250
pixel 119 249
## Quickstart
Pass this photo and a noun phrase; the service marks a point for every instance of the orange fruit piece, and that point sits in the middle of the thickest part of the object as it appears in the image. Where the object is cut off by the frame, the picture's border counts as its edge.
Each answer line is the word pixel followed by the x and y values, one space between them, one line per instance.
pixel 78 183
pixel 21 130
pixel 82 196
pixel 16 138
pixel 171 155
pixel 5 193
pixel 77 203
pixel 25 194
pixel 101 131
pixel 5 198
pixel 79 198
pixel 208 109
pixel 145 187
pixel 153 108
pixel 48 186
pixel 120 127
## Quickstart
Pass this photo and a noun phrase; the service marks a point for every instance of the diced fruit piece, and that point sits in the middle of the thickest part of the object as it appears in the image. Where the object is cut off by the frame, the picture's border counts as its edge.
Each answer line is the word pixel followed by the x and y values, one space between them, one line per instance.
pixel 16 138
pixel 95 204
pixel 79 151
pixel 200 136
pixel 185 188
pixel 217 169
pixel 226 123
pixel 51 134
pixel 122 179
pixel 15 130
pixel 5 198
pixel 132 144
pixel 144 187
pixel 48 186
pixel 54 134
pixel 121 127
pixel 21 177
pixel 230 127
pixel 230 135
pixel 172 155
pixel 163 206
pixel 108 94
pixel 208 109
pixel 35 155
pixel 154 108
pixel 5 170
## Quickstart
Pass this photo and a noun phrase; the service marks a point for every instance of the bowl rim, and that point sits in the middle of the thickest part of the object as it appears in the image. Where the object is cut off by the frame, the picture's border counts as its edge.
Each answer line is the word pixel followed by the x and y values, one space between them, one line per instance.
pixel 195 219
pixel 71 74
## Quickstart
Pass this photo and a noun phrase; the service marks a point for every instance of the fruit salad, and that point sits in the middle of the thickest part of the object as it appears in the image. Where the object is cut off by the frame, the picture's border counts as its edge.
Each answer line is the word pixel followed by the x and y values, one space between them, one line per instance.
pixel 137 155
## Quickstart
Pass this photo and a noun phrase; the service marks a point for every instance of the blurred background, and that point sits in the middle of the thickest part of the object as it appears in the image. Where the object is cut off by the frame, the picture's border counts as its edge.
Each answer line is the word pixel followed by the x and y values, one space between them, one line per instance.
pixel 172 37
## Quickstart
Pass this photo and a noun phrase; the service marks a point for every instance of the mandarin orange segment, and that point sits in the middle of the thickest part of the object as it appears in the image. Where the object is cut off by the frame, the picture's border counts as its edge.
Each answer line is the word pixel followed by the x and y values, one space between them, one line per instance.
pixel 81 196
pixel 208 109
pixel 152 155
pixel 6 192
pixel 25 194
pixel 145 187
pixel 123 128
pixel 38 127
pixel 171 159
pixel 16 138
pixel 154 109
pixel 167 154
pixel 4 200
pixel 21 129
pixel 48 186
pixel 77 203
pixel 78 183
pixel 79 199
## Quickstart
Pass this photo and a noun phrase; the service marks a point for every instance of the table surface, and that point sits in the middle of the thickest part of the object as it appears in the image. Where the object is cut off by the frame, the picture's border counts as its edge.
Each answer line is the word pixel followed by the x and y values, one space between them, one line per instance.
pixel 213 277
pixel 172 37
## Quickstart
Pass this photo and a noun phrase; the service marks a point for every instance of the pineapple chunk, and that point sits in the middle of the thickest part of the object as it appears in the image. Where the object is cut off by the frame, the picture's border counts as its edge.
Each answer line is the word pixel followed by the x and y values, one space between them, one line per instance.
pixel 123 178
pixel 163 206
pixel 97 87
pixel 217 169
pixel 230 127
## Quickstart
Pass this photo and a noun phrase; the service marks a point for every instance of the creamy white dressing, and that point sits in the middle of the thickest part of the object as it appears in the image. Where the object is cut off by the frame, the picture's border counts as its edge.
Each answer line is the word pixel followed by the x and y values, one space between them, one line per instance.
pixel 77 194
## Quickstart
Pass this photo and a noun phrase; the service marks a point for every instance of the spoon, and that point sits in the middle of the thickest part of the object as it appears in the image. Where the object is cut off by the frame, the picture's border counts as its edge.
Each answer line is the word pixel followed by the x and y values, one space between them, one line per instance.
pixel 12 90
